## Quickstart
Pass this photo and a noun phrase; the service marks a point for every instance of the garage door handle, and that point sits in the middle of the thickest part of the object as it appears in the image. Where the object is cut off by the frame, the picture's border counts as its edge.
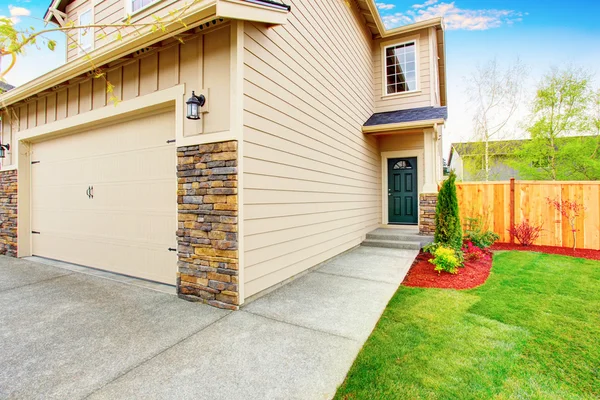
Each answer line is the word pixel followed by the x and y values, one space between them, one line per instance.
pixel 172 249
pixel 90 192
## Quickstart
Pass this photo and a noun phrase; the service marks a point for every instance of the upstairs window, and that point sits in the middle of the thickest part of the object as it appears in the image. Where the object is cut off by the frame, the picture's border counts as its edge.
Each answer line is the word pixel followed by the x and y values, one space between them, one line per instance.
pixel 135 5
pixel 86 36
pixel 401 68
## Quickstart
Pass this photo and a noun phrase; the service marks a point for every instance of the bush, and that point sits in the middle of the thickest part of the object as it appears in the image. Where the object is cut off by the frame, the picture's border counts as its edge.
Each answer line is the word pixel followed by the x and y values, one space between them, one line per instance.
pixel 472 252
pixel 447 218
pixel 446 259
pixel 477 235
pixel 526 233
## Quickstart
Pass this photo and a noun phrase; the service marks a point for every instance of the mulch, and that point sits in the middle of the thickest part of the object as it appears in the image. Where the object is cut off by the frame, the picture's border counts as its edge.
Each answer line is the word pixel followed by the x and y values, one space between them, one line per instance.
pixel 563 251
pixel 475 273
pixel 422 274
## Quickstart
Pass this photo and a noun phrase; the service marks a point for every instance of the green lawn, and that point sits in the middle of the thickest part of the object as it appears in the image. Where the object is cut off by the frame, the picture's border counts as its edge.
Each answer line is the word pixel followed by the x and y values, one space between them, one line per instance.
pixel 531 332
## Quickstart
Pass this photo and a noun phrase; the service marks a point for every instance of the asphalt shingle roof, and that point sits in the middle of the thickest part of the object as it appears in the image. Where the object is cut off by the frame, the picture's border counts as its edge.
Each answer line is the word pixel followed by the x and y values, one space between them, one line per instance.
pixel 5 87
pixel 411 115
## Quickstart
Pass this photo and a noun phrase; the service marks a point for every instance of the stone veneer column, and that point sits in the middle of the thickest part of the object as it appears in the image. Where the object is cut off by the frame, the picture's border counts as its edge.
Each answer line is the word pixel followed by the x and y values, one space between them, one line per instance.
pixel 207 235
pixel 427 204
pixel 8 213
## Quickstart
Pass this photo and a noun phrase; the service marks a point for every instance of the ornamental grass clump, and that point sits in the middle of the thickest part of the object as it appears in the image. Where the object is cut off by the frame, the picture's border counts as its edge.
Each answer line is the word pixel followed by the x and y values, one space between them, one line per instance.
pixel 448 230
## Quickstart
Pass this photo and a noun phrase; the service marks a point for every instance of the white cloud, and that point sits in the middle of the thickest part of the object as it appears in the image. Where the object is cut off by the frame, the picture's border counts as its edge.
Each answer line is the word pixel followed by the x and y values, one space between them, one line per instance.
pixel 454 17
pixel 427 3
pixel 16 12
pixel 384 6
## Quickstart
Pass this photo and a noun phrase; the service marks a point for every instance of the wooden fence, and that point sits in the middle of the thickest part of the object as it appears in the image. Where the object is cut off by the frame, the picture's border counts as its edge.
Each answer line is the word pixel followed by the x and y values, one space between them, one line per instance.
pixel 502 204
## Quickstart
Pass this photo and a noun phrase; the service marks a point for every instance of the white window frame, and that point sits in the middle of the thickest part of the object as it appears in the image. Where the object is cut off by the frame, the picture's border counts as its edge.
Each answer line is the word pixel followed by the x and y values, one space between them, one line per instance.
pixel 90 32
pixel 129 10
pixel 384 47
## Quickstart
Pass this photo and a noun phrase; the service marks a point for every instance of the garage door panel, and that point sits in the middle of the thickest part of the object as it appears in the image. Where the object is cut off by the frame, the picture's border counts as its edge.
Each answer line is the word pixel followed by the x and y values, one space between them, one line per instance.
pixel 130 223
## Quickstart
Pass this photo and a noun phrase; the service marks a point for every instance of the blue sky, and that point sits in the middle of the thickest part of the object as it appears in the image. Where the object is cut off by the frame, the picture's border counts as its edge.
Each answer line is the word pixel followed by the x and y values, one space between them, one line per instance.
pixel 543 34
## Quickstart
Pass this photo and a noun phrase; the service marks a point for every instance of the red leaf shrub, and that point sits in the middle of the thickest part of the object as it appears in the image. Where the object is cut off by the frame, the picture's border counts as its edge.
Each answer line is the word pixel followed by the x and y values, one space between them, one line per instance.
pixel 472 252
pixel 525 232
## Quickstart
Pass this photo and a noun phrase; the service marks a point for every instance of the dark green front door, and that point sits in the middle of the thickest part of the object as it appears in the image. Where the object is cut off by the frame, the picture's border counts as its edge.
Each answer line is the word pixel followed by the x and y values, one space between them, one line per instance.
pixel 402 191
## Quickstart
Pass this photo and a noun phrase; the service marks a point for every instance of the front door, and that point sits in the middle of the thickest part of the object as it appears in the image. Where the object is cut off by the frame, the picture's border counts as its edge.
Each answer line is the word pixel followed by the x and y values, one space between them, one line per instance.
pixel 402 191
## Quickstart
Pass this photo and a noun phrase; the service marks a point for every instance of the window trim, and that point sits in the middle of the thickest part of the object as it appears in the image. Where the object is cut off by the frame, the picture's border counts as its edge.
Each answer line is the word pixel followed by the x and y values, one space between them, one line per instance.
pixel 80 49
pixel 393 43
pixel 128 10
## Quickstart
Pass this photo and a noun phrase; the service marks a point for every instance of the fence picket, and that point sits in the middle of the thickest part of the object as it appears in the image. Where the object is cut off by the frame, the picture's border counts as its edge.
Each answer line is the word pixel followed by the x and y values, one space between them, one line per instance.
pixel 501 204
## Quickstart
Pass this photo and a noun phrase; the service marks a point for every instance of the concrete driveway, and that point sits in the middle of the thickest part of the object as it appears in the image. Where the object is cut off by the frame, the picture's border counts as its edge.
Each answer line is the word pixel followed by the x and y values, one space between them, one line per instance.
pixel 70 335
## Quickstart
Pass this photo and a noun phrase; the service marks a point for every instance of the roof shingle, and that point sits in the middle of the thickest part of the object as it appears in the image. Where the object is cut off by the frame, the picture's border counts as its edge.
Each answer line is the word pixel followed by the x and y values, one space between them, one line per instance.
pixel 410 115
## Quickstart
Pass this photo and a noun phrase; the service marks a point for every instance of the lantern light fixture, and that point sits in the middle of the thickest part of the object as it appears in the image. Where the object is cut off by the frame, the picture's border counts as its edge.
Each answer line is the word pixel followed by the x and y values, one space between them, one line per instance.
pixel 194 104
pixel 3 149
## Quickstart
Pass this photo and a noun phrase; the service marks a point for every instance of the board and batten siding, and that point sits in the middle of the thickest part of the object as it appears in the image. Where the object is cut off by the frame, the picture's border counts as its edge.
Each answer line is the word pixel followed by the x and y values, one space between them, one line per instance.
pixel 311 178
pixel 422 97
pixel 201 62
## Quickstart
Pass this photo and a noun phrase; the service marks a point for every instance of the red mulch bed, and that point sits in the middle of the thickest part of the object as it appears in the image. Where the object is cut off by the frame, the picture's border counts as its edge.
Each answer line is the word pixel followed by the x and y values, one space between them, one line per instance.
pixel 563 251
pixel 422 274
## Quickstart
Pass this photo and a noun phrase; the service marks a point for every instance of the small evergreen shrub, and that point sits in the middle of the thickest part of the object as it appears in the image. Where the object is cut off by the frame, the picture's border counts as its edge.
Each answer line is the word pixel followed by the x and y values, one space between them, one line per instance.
pixel 446 259
pixel 448 230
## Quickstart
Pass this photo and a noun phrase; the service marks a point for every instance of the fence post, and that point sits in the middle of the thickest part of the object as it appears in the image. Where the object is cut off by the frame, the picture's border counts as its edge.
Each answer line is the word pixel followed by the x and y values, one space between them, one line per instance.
pixel 512 209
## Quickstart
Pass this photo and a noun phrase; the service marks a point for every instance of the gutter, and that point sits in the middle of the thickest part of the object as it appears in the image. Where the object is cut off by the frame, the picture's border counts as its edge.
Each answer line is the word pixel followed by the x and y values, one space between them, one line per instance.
pixel 403 126
pixel 271 3
pixel 195 16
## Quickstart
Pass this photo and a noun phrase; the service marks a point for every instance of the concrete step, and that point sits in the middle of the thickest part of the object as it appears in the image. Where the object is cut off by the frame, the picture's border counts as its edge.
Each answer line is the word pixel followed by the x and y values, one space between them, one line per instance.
pixel 392 244
pixel 400 237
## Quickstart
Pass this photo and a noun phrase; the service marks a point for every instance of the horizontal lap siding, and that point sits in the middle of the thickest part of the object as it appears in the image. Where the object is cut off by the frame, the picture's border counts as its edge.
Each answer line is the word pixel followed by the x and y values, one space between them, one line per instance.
pixel 421 99
pixel 311 178
pixel 175 64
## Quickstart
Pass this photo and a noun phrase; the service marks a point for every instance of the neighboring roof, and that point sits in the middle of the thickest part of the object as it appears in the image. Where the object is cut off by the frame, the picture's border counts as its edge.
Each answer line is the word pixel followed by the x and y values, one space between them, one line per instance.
pixel 495 147
pixel 410 115
pixel 5 87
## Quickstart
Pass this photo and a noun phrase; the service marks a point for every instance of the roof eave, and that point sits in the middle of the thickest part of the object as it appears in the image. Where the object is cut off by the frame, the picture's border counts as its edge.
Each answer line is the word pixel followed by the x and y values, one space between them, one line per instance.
pixel 401 126
pixel 197 14
pixel 384 32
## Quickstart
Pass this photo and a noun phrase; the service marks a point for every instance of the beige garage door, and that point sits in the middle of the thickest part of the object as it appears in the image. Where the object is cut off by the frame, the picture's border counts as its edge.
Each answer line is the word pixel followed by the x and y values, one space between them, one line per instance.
pixel 106 198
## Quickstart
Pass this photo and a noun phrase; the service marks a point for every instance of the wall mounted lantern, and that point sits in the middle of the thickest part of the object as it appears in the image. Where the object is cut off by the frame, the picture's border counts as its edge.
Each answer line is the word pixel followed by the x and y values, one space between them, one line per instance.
pixel 193 106
pixel 4 147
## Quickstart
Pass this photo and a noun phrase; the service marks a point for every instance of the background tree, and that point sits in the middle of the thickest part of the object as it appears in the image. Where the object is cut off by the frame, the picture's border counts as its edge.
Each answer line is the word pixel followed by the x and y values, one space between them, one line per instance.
pixel 560 110
pixel 496 94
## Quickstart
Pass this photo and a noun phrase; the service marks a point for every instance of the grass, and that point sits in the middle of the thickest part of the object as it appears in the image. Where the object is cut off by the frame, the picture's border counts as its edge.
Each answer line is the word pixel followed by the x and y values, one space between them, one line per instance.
pixel 532 331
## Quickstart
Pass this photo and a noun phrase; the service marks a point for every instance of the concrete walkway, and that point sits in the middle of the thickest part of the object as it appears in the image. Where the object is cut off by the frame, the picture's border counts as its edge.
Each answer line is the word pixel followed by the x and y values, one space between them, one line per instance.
pixel 65 334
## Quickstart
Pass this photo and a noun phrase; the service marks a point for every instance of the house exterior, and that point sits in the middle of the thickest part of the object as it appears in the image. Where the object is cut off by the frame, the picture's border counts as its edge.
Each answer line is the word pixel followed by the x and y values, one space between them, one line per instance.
pixel 319 126
pixel 467 159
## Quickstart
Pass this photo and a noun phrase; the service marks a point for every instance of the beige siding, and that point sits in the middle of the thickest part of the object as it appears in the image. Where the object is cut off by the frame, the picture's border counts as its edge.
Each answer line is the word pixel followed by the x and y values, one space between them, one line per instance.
pixel 401 142
pixel 112 12
pixel 154 71
pixel 311 178
pixel 421 98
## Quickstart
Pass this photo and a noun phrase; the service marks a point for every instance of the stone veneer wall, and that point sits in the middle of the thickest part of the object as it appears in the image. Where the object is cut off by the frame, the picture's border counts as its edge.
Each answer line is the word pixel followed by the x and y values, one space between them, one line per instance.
pixel 427 204
pixel 207 235
pixel 8 213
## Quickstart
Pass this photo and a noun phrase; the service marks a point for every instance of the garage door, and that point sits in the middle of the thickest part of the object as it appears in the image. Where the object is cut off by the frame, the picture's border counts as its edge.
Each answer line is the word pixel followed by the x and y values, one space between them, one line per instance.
pixel 106 198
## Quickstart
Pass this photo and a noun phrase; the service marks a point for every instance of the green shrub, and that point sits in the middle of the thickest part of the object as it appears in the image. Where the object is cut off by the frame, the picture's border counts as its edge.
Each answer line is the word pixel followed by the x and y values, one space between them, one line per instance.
pixel 446 259
pixel 478 236
pixel 448 230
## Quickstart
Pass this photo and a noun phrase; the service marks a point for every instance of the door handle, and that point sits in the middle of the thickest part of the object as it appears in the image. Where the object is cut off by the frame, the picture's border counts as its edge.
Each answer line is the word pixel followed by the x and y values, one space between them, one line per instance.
pixel 90 192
